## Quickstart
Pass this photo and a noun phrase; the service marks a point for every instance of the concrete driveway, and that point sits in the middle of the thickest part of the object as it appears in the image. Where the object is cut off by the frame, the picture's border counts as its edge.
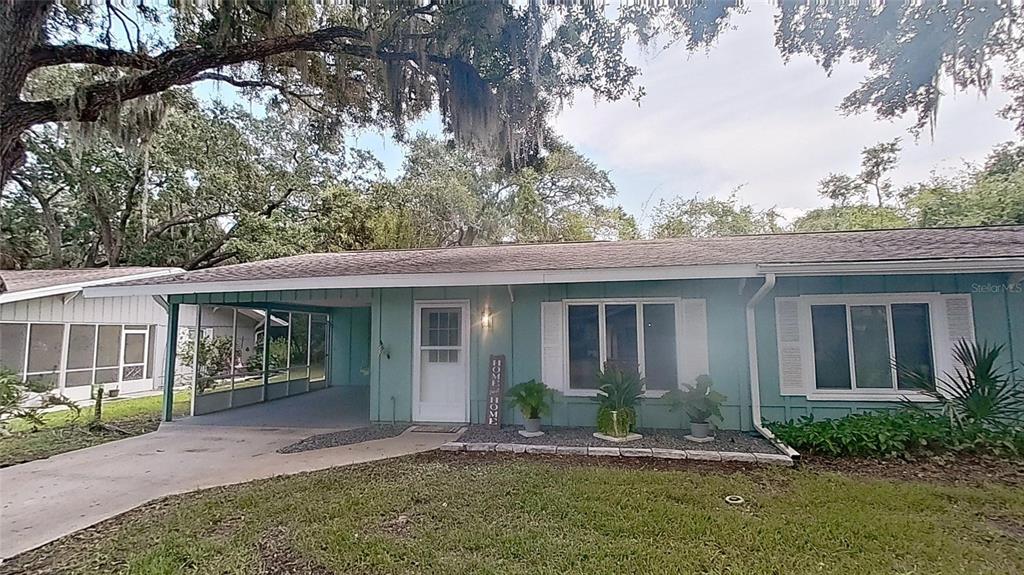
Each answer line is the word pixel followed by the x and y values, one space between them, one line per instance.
pixel 47 499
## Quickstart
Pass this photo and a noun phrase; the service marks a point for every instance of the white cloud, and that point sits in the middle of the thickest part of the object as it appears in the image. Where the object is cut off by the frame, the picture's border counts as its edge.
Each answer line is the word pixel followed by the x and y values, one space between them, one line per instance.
pixel 739 116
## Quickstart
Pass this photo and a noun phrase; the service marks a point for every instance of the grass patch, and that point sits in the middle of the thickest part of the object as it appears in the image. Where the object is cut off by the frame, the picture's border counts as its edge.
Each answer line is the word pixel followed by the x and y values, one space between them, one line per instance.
pixel 63 432
pixel 432 514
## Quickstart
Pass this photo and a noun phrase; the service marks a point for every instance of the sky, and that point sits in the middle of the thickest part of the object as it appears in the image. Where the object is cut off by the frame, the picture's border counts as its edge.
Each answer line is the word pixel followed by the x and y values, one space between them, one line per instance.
pixel 737 116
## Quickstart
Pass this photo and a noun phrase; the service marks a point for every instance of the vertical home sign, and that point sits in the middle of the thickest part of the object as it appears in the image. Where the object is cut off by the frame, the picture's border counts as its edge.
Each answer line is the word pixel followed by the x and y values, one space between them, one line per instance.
pixel 495 390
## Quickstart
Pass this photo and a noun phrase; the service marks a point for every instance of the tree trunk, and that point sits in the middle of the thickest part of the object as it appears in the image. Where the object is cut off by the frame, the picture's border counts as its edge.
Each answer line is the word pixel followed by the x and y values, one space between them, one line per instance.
pixel 21 27
pixel 54 237
pixel 110 244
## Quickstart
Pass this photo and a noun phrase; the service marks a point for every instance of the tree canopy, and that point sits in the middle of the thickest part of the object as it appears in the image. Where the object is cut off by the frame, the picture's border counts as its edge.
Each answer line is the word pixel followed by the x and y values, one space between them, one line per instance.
pixel 494 69
pixel 990 194
pixel 217 184
pixel 107 158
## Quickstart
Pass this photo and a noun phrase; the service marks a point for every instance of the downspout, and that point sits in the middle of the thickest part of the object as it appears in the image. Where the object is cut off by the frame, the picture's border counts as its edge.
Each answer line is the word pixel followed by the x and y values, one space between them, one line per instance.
pixel 755 379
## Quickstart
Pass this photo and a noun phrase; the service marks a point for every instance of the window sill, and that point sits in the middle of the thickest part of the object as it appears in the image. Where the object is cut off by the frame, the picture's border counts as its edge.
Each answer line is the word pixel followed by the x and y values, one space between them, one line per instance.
pixel 860 395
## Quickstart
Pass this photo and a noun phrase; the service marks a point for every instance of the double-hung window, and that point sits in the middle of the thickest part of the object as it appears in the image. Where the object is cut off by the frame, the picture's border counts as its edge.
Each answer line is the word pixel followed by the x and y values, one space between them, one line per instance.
pixel 867 346
pixel 639 336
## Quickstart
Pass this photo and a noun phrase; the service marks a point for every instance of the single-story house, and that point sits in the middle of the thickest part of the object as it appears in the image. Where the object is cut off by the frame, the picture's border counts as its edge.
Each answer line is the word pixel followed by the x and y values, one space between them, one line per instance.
pixel 785 325
pixel 49 332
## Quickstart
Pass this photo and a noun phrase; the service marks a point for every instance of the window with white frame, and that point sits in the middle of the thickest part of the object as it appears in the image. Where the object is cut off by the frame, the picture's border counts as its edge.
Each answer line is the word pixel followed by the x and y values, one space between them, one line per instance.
pixel 867 347
pixel 639 336
pixel 88 353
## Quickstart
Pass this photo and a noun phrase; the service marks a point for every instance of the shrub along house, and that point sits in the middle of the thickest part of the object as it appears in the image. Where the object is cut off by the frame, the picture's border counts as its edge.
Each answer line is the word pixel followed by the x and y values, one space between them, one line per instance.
pixel 786 325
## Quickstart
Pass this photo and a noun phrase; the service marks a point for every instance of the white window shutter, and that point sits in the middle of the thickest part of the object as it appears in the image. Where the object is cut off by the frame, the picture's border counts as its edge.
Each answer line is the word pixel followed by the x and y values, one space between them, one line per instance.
pixel 552 354
pixel 959 325
pixel 792 379
pixel 695 341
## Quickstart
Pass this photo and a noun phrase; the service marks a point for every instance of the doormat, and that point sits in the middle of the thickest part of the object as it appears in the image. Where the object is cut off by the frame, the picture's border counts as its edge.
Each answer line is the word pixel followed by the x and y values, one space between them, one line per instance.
pixel 435 428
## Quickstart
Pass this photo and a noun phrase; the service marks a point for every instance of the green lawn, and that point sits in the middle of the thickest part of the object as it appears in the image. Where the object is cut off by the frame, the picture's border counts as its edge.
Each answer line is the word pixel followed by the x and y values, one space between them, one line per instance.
pixel 462 514
pixel 63 432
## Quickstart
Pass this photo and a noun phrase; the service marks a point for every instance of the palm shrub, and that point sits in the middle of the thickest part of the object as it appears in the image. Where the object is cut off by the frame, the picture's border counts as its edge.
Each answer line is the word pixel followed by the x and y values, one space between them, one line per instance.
pixel 983 394
pixel 533 398
pixel 618 395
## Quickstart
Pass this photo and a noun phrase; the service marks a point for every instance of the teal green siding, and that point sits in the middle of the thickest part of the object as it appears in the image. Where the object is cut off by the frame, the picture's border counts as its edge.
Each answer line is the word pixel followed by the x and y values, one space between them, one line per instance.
pixel 374 345
pixel 515 332
pixel 998 318
pixel 350 346
pixel 391 355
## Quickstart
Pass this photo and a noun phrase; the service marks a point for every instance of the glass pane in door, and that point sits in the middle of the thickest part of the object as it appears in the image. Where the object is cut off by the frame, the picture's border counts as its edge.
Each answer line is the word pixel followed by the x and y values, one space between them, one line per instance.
pixel 440 327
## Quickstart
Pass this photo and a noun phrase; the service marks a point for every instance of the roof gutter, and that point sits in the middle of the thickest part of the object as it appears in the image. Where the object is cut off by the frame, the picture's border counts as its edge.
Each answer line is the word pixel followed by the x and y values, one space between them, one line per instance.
pixel 755 380
pixel 434 279
pixel 942 266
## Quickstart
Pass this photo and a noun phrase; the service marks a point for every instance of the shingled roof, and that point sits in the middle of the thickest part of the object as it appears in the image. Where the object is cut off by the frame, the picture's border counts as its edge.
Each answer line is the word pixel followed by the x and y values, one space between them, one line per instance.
pixel 796 248
pixel 28 284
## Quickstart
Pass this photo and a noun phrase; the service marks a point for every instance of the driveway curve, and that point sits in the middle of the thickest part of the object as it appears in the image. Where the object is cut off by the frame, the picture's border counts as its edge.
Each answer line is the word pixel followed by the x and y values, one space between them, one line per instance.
pixel 47 499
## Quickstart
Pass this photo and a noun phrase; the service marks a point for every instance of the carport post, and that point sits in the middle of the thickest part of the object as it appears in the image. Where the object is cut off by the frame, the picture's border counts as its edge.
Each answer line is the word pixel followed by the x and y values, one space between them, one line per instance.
pixel 170 360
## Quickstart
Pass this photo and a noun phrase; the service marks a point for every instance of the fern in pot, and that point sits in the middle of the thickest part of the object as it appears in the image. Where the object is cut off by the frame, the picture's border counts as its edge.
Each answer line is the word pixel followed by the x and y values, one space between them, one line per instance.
pixel 533 399
pixel 618 393
pixel 701 403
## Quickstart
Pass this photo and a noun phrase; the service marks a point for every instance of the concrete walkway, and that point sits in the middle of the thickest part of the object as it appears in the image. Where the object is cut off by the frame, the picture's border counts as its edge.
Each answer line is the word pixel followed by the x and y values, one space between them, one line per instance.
pixel 47 499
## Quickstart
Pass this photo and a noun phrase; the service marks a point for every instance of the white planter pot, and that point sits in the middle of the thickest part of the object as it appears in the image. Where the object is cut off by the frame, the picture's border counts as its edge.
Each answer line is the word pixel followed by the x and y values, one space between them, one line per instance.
pixel 700 430
pixel 532 425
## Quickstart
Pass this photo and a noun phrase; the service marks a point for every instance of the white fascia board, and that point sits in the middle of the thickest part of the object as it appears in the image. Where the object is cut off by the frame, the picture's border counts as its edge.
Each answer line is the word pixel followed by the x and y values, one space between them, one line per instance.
pixel 80 286
pixel 438 279
pixel 947 266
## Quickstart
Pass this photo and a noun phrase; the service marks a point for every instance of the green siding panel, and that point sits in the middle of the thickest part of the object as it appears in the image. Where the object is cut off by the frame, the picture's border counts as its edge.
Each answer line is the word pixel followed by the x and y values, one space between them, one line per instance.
pixel 515 331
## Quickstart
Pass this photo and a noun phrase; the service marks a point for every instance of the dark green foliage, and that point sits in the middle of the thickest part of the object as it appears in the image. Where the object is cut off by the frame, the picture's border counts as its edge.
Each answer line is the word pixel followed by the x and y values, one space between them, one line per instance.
pixel 983 393
pixel 979 410
pixel 27 400
pixel 214 356
pixel 533 398
pixel 899 433
pixel 618 393
pixel 699 401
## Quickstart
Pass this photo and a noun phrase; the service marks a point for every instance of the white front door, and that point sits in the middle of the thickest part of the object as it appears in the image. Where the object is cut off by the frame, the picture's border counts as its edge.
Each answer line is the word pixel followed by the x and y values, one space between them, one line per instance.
pixel 441 362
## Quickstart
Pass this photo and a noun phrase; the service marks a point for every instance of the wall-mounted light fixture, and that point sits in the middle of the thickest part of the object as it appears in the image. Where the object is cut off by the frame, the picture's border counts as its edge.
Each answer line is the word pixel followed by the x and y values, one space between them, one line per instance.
pixel 485 319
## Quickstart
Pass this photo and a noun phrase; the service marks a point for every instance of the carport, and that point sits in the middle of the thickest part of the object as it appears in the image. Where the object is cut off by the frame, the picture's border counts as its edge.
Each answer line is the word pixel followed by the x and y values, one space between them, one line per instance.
pixel 332 408
pixel 275 359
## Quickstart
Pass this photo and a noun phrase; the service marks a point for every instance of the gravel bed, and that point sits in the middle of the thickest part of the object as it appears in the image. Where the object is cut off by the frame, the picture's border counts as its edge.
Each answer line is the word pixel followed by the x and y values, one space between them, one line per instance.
pixel 583 437
pixel 346 437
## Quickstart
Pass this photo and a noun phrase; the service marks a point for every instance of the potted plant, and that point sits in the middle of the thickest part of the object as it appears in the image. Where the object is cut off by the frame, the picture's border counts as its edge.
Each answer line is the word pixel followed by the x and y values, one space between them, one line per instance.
pixel 618 394
pixel 533 400
pixel 701 403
